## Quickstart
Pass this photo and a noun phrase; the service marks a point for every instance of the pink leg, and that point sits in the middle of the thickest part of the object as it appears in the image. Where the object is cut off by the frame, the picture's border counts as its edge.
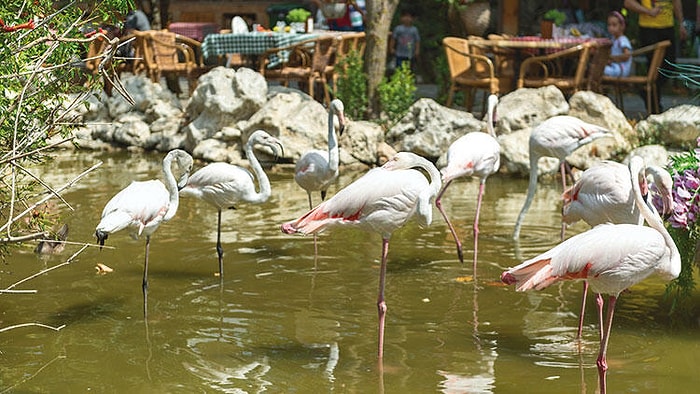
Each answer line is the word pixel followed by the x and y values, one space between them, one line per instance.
pixel 599 302
pixel 144 284
pixel 602 356
pixel 438 204
pixel 583 310
pixel 315 236
pixel 381 304
pixel 562 167
pixel 476 221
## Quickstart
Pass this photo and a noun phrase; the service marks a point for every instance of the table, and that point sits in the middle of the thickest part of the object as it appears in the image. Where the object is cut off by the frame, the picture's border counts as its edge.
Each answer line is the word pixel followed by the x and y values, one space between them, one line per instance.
pixel 195 30
pixel 254 43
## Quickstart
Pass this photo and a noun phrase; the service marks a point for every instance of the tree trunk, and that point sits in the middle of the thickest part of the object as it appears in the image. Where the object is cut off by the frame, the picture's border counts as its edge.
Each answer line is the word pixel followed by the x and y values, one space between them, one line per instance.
pixel 377 30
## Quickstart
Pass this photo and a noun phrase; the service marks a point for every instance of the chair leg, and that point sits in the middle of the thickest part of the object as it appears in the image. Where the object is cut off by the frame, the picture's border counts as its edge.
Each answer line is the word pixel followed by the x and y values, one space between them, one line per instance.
pixel 650 109
pixel 450 96
pixel 619 97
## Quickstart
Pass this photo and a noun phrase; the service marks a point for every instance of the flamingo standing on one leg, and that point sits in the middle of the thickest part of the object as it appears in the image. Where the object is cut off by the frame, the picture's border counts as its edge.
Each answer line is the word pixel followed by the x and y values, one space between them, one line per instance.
pixel 224 185
pixel 604 194
pixel 477 154
pixel 143 206
pixel 316 170
pixel 556 137
pixel 382 200
pixel 611 257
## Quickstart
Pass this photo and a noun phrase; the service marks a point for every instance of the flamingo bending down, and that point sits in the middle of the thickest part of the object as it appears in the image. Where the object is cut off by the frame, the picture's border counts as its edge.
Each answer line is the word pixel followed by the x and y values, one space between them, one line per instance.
pixel 477 154
pixel 556 137
pixel 611 257
pixel 381 201
pixel 143 206
pixel 224 185
pixel 604 194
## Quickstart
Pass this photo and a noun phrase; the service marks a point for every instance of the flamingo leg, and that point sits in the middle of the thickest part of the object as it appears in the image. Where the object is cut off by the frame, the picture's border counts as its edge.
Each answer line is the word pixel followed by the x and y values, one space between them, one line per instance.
pixel 599 302
pixel 562 166
pixel 602 362
pixel 381 304
pixel 438 204
pixel 144 283
pixel 219 249
pixel 315 236
pixel 476 221
pixel 583 310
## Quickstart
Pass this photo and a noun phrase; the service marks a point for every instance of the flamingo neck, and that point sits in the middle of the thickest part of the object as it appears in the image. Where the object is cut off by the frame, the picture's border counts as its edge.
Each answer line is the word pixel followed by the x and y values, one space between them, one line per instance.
pixel 489 122
pixel 333 154
pixel 171 186
pixel 531 189
pixel 637 169
pixel 265 189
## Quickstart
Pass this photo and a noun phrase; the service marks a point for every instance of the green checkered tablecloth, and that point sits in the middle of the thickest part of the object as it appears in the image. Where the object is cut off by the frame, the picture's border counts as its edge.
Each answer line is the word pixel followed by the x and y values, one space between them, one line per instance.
pixel 254 43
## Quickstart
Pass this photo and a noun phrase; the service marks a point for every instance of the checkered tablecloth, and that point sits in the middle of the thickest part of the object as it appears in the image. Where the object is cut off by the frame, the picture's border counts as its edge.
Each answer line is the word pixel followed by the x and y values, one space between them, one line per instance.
pixel 254 43
pixel 194 30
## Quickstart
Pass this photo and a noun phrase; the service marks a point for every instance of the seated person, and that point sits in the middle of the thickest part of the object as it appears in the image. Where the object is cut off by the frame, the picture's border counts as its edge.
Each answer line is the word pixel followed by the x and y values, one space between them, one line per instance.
pixel 620 62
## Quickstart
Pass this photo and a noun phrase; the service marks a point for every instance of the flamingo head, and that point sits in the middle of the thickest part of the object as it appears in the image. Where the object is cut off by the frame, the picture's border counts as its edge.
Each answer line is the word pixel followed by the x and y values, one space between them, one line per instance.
pixel 338 109
pixel 263 138
pixel 402 161
pixel 184 163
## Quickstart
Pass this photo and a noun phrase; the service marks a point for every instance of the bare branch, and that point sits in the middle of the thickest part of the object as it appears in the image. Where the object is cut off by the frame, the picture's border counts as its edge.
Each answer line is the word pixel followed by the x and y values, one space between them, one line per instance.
pixel 67 262
pixel 41 181
pixel 23 238
pixel 8 328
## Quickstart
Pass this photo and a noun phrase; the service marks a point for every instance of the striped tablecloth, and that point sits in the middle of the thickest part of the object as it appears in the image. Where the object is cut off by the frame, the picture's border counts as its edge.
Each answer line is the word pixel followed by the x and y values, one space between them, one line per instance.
pixel 254 43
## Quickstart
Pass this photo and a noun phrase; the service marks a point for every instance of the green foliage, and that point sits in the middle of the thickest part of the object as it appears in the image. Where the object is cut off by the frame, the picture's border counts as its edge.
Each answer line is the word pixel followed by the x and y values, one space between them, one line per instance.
pixel 297 15
pixel 38 58
pixel 555 16
pixel 398 94
pixel 651 135
pixel 352 85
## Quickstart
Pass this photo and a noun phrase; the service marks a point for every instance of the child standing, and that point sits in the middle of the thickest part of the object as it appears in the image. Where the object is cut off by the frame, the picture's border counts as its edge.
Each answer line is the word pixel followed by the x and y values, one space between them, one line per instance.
pixel 406 40
pixel 620 62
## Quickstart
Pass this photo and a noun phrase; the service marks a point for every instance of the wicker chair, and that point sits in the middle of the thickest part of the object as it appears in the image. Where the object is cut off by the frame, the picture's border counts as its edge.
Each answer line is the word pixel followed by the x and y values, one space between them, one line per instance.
pixel 658 52
pixel 599 59
pixel 468 71
pixel 170 54
pixel 544 70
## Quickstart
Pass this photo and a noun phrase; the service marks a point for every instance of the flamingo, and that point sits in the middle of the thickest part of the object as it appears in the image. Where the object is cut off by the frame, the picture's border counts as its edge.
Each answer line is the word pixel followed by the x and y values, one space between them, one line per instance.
pixel 611 257
pixel 143 206
pixel 224 185
pixel 604 194
pixel 472 154
pixel 316 170
pixel 557 137
pixel 381 201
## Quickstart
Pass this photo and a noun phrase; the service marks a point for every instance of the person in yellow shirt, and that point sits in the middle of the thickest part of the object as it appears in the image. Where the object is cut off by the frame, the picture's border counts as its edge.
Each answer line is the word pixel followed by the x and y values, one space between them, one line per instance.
pixel 656 23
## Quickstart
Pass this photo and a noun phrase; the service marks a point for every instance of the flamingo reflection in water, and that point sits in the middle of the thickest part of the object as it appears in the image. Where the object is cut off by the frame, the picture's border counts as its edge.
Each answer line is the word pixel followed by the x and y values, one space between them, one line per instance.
pixel 381 201
pixel 611 257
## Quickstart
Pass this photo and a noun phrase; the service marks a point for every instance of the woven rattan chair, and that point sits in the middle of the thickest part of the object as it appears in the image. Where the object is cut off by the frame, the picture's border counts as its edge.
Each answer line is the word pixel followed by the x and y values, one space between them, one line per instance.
pixel 468 71
pixel 170 54
pixel 648 81
pixel 550 69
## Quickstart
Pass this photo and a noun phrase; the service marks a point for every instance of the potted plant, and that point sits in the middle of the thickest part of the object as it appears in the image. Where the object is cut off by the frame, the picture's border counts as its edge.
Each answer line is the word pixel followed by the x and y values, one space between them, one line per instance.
pixel 549 19
pixel 297 18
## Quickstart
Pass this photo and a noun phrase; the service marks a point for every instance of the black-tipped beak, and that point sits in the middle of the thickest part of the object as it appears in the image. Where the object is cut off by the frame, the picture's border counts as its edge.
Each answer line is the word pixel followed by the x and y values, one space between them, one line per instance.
pixel 101 237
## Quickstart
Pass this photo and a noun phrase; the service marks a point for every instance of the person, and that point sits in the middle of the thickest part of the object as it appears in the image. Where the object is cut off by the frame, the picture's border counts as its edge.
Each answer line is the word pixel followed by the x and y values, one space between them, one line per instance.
pixel 405 40
pixel 352 20
pixel 620 62
pixel 656 23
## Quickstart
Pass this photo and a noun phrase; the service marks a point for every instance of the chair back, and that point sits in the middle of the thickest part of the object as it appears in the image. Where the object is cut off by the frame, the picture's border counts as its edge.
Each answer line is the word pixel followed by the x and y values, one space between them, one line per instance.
pixel 582 65
pixel 163 49
pixel 351 42
pixel 455 50
pixel 324 53
pixel 597 65
pixel 657 59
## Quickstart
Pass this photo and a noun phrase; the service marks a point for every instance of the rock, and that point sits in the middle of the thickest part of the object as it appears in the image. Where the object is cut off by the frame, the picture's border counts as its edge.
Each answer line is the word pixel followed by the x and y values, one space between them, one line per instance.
pixel 214 150
pixel 360 141
pixel 429 128
pixel 653 155
pixel 526 108
pixel 132 130
pixel 679 127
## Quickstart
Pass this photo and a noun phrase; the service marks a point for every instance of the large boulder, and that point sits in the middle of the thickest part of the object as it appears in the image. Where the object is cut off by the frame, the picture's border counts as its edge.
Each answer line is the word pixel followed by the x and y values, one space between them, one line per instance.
pixel 679 127
pixel 526 108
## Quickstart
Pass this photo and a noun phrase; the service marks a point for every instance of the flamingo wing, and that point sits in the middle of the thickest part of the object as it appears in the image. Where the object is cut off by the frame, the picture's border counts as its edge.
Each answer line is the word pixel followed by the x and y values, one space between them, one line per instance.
pixel 473 153
pixel 381 200
pixel 140 206
pixel 611 257
pixel 221 184
pixel 312 171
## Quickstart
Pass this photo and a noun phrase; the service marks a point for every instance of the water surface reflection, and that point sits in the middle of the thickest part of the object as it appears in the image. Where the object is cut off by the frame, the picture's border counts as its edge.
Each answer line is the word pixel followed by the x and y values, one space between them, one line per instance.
pixel 278 324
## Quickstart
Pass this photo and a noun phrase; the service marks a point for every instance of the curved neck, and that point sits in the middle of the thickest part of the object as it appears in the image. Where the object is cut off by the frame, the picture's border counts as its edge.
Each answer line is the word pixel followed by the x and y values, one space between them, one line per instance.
pixel 637 170
pixel 265 189
pixel 531 188
pixel 171 186
pixel 333 154
pixel 489 122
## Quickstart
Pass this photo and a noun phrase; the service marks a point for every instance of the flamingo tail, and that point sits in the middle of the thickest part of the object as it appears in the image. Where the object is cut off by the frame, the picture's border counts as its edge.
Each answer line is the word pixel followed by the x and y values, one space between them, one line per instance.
pixel 535 275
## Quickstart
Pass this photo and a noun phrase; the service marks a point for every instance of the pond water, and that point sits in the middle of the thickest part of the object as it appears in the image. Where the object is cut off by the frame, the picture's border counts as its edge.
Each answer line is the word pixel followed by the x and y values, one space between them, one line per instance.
pixel 282 322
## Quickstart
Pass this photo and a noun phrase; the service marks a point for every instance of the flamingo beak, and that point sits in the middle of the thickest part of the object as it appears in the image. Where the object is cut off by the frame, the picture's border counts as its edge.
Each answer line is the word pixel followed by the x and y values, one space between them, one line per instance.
pixel 341 122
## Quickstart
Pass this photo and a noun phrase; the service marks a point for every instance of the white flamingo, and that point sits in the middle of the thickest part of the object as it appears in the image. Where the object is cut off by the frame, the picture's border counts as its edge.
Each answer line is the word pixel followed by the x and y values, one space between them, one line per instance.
pixel 142 206
pixel 473 154
pixel 224 185
pixel 604 194
pixel 611 257
pixel 381 201
pixel 556 137
pixel 316 170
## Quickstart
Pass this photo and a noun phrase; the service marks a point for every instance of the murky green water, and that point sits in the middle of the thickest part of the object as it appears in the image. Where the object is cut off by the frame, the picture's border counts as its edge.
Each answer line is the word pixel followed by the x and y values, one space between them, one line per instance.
pixel 280 325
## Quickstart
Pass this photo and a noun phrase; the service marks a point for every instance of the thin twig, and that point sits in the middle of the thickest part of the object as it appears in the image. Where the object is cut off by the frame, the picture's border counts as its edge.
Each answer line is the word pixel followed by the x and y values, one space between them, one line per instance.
pixel 76 243
pixel 8 328
pixel 67 262
pixel 18 291
pixel 46 185
pixel 43 200
pixel 32 376
pixel 23 238
pixel 16 157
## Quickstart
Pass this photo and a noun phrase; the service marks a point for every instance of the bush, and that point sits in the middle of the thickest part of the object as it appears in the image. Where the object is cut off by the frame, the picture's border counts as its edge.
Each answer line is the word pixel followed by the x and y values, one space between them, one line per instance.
pixel 352 85
pixel 398 94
